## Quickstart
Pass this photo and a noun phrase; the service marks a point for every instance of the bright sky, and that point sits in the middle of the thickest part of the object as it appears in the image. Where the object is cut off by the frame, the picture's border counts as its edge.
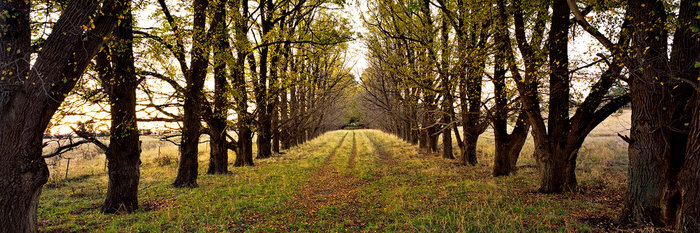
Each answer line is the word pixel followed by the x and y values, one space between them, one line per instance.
pixel 357 48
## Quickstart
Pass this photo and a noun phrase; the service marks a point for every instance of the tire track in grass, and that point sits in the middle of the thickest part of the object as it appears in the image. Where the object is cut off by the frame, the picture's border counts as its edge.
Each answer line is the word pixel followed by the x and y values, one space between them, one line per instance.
pixel 333 199
pixel 353 153
pixel 260 221
pixel 328 201
pixel 335 150
pixel 384 157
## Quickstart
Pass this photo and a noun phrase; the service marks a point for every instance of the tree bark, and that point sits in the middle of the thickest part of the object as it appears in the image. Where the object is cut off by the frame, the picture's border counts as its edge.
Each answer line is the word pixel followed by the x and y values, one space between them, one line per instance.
pixel 508 146
pixel 648 150
pixel 262 98
pixel 191 125
pixel 124 152
pixel 218 125
pixel 689 217
pixel 244 153
pixel 284 118
pixel 557 169
pixel 28 100
pixel 684 55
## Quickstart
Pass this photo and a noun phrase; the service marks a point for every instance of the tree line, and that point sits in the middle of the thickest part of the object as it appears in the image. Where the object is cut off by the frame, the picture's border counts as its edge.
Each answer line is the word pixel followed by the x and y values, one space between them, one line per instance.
pixel 278 69
pixel 443 66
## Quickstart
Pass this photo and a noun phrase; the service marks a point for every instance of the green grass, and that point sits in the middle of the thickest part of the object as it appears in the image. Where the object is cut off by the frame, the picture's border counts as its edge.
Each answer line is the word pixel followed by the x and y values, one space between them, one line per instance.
pixel 390 187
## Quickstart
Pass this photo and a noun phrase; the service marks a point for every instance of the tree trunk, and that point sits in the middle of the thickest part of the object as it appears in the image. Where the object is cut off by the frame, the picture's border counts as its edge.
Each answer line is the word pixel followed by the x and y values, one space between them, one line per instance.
pixel 293 114
pixel 689 217
pixel 262 97
pixel 648 150
pixel 504 160
pixel 244 153
pixel 556 164
pixel 124 148
pixel 447 143
pixel 275 130
pixel 218 153
pixel 284 120
pixel 244 156
pixel 509 146
pixel 433 136
pixel 557 171
pixel 685 53
pixel 25 106
pixel 423 141
pixel 191 124
pixel 22 170
pixel 468 155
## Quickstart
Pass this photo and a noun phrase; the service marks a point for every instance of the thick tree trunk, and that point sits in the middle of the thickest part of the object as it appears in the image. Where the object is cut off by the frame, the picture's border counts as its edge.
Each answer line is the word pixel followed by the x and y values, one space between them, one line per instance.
pixel 448 101
pixel 468 153
pixel 25 106
pixel 433 136
pixel 557 171
pixel 508 147
pixel 423 141
pixel 218 125
pixel 244 156
pixel 262 98
pixel 218 155
pixel 275 129
pixel 689 217
pixel 22 170
pixel 191 124
pixel 264 133
pixel 447 143
pixel 504 160
pixel 189 163
pixel 648 148
pixel 284 118
pixel 293 114
pixel 301 130
pixel 122 190
pixel 124 148
pixel 557 165
pixel 685 53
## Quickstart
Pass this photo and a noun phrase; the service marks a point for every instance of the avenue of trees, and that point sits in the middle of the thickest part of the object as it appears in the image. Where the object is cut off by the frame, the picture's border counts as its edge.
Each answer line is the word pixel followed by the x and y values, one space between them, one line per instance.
pixel 278 71
pixel 438 67
pixel 274 73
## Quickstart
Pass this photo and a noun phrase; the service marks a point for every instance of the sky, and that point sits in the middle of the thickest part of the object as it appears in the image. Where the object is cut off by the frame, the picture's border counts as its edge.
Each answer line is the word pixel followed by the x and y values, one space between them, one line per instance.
pixel 357 48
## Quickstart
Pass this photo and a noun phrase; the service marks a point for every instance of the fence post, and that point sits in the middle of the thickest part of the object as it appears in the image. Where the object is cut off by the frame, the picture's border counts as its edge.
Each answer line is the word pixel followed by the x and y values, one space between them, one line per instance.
pixel 67 166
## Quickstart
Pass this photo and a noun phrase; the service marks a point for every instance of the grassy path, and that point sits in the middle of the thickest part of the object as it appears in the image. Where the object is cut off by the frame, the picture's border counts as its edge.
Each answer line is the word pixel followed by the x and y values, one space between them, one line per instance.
pixel 353 153
pixel 372 183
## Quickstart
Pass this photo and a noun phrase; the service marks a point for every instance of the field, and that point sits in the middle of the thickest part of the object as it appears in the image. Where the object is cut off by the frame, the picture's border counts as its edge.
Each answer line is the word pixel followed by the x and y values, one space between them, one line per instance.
pixel 353 180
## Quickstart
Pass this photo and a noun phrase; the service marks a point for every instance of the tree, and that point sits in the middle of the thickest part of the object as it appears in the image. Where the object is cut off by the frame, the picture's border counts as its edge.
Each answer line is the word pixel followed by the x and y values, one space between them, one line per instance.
pixel 558 139
pixel 120 82
pixel 508 146
pixel 194 74
pixel 661 88
pixel 216 116
pixel 31 93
